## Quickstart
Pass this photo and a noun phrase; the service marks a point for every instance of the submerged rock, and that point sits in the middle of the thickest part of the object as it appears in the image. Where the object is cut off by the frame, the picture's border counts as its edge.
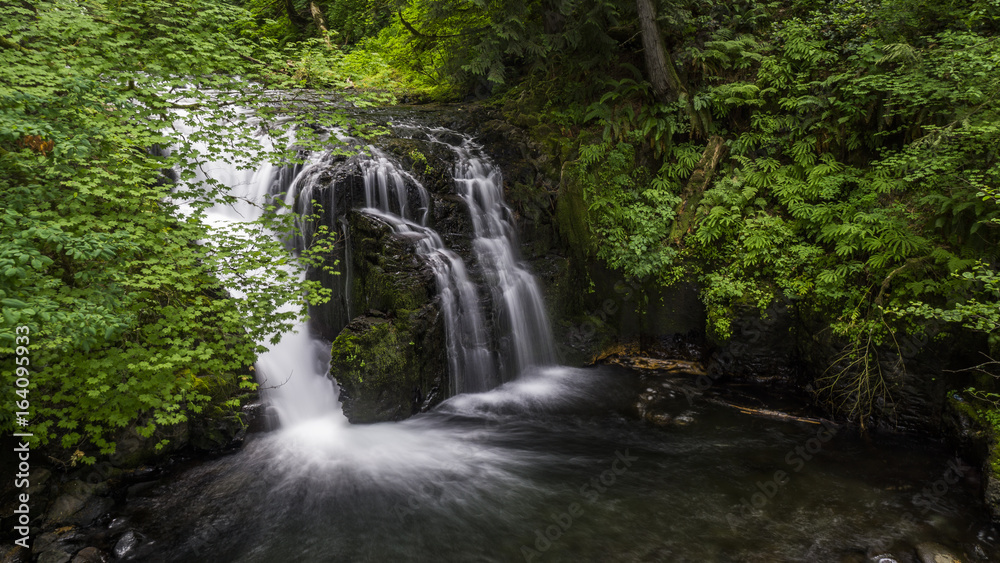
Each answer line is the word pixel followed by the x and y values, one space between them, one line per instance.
pixel 930 552
pixel 127 543
pixel 79 504
pixel 89 555
pixel 58 546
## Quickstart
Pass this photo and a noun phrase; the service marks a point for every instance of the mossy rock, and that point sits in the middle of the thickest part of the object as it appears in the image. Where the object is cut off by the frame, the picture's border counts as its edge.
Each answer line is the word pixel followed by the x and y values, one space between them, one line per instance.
pixel 390 368
pixel 430 162
pixel 977 437
pixel 391 360
pixel 388 274
pixel 571 216
pixel 133 449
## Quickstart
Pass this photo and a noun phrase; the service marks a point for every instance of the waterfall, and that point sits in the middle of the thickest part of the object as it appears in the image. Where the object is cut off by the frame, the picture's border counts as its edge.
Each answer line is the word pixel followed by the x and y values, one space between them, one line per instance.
pixel 293 373
pixel 523 318
pixel 522 325
pixel 470 362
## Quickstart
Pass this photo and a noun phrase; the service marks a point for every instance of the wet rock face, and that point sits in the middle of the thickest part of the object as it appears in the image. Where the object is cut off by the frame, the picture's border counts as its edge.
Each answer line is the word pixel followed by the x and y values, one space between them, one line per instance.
pixel 79 504
pixel 133 450
pixel 340 192
pixel 10 553
pixel 89 555
pixel 976 439
pixel 915 369
pixel 58 546
pixel 341 189
pixel 389 345
pixel 762 347
pixel 390 361
pixel 386 272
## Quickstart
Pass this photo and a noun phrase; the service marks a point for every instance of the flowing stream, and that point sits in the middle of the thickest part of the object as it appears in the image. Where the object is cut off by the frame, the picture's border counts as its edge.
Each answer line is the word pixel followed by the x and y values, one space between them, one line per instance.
pixel 533 461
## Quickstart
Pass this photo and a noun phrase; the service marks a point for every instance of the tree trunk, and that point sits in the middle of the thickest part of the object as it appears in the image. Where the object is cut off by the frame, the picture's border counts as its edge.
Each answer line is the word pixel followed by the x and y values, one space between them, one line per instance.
pixel 294 16
pixel 659 64
pixel 320 21
pixel 667 84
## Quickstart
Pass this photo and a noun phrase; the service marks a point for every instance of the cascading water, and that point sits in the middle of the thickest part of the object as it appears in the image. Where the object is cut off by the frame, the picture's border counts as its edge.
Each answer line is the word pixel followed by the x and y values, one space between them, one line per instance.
pixel 298 392
pixel 522 326
pixel 476 363
pixel 306 393
pixel 523 320
pixel 470 362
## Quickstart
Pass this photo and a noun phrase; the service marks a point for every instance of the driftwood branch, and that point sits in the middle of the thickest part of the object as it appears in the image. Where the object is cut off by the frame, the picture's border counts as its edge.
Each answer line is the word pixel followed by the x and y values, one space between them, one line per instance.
pixel 249 58
pixel 701 177
pixel 981 368
pixel 774 415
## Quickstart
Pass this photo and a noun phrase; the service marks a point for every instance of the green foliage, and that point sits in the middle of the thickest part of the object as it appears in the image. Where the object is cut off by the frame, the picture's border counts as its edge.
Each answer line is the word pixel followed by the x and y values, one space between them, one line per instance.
pixel 130 322
pixel 861 182
pixel 629 210
pixel 303 57
pixel 313 64
pixel 449 47
pixel 977 310
pixel 983 407
pixel 856 189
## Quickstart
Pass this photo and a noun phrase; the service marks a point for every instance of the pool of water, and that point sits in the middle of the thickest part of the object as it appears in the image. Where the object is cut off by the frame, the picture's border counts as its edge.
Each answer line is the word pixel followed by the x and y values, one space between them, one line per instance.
pixel 553 467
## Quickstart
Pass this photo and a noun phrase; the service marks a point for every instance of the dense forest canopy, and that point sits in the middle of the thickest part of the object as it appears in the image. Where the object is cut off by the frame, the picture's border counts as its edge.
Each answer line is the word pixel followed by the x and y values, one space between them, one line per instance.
pixel 838 155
